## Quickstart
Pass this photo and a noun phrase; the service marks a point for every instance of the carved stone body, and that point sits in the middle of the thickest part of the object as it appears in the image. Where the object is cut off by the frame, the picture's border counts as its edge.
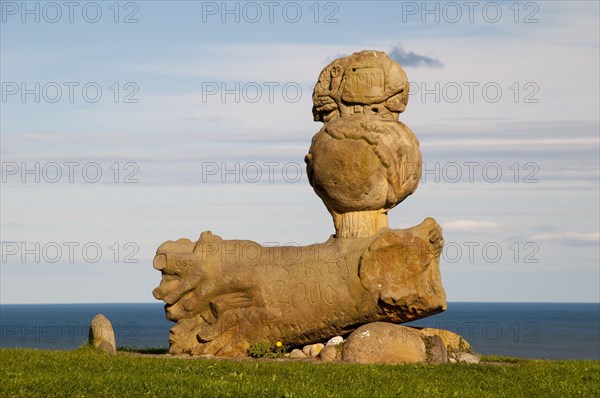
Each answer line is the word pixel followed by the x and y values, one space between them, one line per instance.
pixel 226 294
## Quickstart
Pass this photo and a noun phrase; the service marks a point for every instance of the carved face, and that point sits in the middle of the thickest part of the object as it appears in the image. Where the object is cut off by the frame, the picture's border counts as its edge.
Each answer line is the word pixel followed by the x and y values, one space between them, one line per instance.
pixel 181 273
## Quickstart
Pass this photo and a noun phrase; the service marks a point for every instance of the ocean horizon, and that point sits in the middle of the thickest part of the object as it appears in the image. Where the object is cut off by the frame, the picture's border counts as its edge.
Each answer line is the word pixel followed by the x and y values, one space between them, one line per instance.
pixel 528 330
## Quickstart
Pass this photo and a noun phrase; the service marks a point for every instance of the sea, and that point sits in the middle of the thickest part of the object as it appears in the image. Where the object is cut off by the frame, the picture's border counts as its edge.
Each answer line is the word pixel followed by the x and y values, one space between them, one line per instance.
pixel 527 330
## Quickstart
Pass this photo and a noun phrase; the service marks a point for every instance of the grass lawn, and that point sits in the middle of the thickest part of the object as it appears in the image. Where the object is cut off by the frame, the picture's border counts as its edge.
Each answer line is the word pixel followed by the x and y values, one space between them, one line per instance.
pixel 87 373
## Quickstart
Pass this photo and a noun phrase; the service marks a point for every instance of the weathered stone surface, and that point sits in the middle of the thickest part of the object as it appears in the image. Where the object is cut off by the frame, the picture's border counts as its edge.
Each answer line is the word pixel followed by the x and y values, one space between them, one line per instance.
pixel 454 342
pixel 364 161
pixel 436 349
pixel 330 353
pixel 297 354
pixel 306 350
pixel 382 342
pixel 107 347
pixel 465 357
pixel 227 294
pixel 102 335
pixel 315 349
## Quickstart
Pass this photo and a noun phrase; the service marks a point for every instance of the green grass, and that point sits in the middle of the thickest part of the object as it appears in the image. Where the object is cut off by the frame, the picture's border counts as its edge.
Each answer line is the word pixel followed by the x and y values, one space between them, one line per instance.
pixel 87 373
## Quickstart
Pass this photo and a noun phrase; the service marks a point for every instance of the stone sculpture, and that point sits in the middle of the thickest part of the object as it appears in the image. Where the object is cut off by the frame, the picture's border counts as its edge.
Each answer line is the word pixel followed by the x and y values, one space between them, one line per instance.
pixel 227 294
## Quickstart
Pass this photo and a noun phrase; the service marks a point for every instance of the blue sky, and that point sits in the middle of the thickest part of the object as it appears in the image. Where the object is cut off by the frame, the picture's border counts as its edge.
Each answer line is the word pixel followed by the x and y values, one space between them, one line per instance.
pixel 504 102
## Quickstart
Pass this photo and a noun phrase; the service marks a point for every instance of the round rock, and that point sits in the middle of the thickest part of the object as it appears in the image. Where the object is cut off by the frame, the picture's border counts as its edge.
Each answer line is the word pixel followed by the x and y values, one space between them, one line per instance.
pixel 297 354
pixel 329 353
pixel 315 349
pixel 382 342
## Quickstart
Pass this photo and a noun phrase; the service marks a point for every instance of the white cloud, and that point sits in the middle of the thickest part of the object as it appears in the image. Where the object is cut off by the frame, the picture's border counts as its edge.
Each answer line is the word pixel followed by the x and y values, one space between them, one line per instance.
pixel 494 143
pixel 569 238
pixel 472 226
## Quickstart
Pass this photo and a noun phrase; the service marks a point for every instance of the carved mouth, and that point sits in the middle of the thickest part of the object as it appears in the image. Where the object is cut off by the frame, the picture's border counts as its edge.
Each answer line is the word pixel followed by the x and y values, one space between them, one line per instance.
pixel 169 311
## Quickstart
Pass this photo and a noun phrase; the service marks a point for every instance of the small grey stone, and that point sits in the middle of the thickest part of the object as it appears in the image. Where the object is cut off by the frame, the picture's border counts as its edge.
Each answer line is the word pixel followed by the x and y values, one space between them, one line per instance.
pixel 466 358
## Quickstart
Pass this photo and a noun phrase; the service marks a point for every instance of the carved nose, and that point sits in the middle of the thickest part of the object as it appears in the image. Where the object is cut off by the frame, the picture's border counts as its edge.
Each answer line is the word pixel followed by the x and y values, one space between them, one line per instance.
pixel 157 293
pixel 160 261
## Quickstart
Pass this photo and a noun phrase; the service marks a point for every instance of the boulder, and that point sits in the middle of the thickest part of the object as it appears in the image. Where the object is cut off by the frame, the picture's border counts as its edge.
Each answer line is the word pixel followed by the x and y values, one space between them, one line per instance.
pixel 315 349
pixel 382 342
pixel 297 354
pixel 436 349
pixel 107 347
pixel 306 350
pixel 329 353
pixel 454 342
pixel 102 335
pixel 312 350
